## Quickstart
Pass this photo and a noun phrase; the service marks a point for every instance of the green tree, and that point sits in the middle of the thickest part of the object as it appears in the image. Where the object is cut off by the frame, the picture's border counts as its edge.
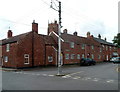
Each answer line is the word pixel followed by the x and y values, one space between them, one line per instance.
pixel 116 40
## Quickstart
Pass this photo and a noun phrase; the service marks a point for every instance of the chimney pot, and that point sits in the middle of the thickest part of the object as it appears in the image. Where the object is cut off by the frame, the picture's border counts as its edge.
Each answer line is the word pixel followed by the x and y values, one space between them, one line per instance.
pixel 9 33
pixel 35 27
pixel 99 36
pixel 65 31
pixel 105 39
pixel 75 33
pixel 88 34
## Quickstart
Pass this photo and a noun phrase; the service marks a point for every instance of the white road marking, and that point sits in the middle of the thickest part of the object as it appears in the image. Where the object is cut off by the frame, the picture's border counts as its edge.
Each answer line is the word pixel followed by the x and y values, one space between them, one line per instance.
pixel 75 73
pixel 51 75
pixel 77 77
pixel 86 78
pixel 110 81
pixel 96 79
pixel 38 74
pixel 66 76
pixel 44 74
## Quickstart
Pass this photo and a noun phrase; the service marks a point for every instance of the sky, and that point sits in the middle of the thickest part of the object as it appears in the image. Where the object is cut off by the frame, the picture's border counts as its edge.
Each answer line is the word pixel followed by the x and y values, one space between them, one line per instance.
pixel 95 16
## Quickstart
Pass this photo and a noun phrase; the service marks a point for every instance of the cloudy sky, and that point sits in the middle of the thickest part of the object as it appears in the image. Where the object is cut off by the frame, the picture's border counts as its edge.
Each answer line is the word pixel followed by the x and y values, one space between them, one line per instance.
pixel 95 16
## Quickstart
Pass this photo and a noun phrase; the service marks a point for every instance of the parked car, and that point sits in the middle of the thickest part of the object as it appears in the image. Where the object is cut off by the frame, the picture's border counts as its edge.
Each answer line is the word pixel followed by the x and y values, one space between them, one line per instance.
pixel 112 59
pixel 116 60
pixel 87 61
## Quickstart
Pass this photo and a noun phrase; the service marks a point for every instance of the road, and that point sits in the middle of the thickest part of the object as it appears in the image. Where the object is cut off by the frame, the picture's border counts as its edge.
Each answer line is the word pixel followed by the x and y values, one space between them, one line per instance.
pixel 103 76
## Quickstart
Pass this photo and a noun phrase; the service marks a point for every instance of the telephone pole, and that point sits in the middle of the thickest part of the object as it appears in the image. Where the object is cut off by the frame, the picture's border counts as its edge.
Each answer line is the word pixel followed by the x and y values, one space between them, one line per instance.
pixel 59 40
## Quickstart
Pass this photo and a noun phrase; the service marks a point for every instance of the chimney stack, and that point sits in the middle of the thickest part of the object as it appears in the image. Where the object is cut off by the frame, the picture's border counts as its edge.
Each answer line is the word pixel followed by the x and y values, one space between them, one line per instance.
pixel 105 39
pixel 99 36
pixel 75 33
pixel 53 27
pixel 88 34
pixel 9 33
pixel 65 31
pixel 35 27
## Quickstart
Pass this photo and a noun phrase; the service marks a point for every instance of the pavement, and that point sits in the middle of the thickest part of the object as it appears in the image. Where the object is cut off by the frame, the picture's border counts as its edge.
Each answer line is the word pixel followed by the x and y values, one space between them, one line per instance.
pixel 99 77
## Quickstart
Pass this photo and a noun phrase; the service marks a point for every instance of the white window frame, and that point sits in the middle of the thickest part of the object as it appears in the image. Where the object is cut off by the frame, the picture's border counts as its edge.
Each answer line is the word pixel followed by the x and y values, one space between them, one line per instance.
pixel 92 55
pixel 83 55
pixel 103 47
pixel 26 56
pixel 99 56
pixel 72 44
pixel 72 56
pixel 50 59
pixel 67 56
pixel 100 49
pixel 6 59
pixel 78 56
pixel 110 48
pixel 106 47
pixel 83 46
pixel 92 47
pixel 7 47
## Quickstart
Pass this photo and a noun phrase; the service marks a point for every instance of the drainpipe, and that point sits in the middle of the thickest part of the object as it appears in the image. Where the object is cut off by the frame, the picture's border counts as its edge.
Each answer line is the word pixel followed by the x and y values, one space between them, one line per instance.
pixel 56 55
pixel 32 49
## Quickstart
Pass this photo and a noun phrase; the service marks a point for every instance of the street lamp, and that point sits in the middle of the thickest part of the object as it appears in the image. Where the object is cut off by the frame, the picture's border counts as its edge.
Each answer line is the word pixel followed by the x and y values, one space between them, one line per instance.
pixel 59 40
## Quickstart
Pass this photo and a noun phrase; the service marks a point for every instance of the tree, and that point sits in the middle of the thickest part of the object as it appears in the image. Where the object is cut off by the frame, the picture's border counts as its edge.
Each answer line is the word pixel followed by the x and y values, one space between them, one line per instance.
pixel 116 40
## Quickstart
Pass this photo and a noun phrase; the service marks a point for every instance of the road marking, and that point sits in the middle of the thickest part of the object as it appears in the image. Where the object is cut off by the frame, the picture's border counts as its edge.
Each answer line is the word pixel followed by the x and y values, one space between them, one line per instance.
pixel 118 69
pixel 51 75
pixel 95 79
pixel 38 74
pixel 44 74
pixel 86 78
pixel 76 77
pixel 66 76
pixel 75 73
pixel 110 81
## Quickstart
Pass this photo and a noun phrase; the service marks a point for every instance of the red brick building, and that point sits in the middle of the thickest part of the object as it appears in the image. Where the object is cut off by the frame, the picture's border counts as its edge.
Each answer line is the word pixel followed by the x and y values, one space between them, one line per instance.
pixel 32 49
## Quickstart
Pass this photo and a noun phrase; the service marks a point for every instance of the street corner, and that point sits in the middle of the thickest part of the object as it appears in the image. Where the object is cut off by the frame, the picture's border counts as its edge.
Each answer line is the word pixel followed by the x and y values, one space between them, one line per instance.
pixel 118 69
pixel 9 69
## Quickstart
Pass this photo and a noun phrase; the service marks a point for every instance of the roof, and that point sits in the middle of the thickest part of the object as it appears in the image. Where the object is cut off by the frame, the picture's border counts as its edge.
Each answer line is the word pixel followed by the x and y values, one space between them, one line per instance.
pixel 78 39
pixel 14 38
pixel 47 39
pixel 103 42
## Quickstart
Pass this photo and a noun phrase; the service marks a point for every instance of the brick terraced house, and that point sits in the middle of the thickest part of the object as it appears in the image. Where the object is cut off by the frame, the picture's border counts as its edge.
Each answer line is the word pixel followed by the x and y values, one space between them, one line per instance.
pixel 32 49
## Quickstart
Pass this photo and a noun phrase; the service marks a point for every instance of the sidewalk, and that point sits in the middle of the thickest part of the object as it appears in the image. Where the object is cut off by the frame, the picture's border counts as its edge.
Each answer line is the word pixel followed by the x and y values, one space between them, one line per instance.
pixel 8 69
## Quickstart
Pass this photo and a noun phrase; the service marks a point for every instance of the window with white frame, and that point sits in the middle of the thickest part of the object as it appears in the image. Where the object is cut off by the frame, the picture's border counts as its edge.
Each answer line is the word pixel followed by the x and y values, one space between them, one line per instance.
pixel 72 56
pixel 72 44
pixel 110 48
pixel 103 47
pixel 99 56
pixel 6 59
pixel 26 58
pixel 100 49
pixel 83 46
pixel 78 56
pixel 50 58
pixel 92 47
pixel 106 47
pixel 83 55
pixel 7 47
pixel 92 56
pixel 66 56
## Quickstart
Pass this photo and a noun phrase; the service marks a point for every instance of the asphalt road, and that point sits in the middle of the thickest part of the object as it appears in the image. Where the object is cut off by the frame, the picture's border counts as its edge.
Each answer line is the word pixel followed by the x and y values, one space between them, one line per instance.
pixel 103 76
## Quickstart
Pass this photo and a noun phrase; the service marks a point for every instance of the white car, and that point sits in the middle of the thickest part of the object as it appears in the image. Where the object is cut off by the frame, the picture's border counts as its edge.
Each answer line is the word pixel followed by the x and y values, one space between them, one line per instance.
pixel 112 59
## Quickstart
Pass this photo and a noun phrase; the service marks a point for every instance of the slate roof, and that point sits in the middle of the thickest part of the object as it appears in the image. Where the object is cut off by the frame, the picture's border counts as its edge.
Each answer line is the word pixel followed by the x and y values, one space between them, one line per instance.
pixel 14 38
pixel 78 39
pixel 47 39
pixel 103 42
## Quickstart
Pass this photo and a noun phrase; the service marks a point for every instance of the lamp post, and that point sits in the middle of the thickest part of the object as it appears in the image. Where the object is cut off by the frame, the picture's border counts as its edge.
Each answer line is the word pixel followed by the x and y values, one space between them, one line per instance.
pixel 59 40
